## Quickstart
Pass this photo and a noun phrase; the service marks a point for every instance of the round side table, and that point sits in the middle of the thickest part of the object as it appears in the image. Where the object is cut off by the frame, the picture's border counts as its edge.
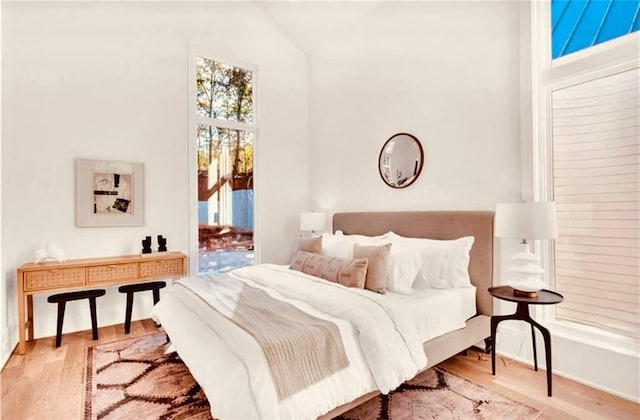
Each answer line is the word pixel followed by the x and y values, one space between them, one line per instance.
pixel 544 297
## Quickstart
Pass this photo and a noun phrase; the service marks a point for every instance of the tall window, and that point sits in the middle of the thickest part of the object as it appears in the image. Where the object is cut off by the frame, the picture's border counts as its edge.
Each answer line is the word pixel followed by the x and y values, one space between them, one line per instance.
pixel 589 164
pixel 596 187
pixel 225 139
pixel 580 24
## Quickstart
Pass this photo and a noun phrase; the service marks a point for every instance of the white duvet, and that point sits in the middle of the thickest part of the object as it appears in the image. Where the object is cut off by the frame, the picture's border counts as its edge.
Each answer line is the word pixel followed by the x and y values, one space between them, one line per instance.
pixel 381 340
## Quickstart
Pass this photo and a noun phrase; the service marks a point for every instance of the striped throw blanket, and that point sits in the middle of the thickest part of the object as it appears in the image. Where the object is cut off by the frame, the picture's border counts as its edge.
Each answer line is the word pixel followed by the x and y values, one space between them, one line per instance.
pixel 299 348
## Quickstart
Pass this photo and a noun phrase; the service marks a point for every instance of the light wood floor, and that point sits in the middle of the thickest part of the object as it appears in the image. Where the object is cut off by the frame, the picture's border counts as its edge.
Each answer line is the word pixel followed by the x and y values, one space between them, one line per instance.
pixel 48 383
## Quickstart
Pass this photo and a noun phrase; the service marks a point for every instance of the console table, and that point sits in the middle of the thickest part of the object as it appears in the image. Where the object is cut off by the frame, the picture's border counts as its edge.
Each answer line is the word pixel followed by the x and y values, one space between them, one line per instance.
pixel 48 277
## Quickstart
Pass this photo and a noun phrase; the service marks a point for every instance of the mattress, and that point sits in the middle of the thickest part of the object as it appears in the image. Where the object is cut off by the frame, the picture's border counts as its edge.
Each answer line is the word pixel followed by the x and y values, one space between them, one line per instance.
pixel 230 367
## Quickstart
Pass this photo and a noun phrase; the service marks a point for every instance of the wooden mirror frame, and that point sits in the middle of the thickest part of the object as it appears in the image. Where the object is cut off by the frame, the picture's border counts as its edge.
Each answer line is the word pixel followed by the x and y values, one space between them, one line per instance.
pixel 418 170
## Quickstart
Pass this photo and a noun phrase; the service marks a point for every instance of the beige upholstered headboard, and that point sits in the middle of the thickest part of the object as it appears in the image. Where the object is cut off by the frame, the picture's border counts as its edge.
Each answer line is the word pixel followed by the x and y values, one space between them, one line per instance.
pixel 435 225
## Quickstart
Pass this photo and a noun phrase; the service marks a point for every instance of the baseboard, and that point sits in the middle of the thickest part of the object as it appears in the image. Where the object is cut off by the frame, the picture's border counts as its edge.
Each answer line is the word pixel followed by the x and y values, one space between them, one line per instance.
pixel 7 347
pixel 596 386
pixel 515 343
pixel 570 377
pixel 510 339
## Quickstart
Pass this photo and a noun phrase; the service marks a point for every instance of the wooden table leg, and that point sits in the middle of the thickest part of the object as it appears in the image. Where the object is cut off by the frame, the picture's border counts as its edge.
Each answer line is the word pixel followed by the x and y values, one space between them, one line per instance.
pixel 547 350
pixel 494 328
pixel 22 345
pixel 30 335
pixel 535 351
pixel 495 320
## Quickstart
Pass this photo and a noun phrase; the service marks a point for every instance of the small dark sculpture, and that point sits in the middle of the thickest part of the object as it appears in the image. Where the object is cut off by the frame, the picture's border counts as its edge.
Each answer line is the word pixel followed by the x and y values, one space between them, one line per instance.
pixel 162 244
pixel 146 245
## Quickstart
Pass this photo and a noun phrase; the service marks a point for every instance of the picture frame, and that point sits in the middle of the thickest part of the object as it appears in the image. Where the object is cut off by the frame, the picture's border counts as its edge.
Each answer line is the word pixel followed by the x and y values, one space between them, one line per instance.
pixel 109 193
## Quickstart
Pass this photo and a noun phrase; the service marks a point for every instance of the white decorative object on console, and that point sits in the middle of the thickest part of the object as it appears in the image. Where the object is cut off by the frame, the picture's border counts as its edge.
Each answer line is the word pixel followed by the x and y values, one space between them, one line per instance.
pixel 526 221
pixel 50 251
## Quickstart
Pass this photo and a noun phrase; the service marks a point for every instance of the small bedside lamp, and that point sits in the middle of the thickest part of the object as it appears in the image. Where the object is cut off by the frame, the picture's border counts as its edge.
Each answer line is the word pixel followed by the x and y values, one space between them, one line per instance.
pixel 526 221
pixel 312 221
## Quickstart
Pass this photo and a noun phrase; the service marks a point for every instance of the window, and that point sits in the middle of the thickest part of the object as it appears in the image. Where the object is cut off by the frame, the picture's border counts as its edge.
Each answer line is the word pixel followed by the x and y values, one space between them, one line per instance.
pixel 587 145
pixel 225 136
pixel 596 187
pixel 580 24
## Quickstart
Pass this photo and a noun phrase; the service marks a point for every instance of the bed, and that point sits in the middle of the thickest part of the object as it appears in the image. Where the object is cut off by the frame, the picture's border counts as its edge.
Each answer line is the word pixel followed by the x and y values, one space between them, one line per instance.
pixel 231 369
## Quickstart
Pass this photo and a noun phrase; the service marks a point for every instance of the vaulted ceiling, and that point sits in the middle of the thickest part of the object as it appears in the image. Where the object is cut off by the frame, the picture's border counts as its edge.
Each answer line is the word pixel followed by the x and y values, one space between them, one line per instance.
pixel 318 26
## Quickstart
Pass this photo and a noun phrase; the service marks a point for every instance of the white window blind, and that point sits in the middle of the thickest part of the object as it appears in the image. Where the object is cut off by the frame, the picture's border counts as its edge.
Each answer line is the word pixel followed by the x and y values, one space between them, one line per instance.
pixel 596 175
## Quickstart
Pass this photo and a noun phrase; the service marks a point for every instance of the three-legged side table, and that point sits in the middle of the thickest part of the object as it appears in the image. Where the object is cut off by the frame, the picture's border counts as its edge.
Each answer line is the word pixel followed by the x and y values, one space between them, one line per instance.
pixel 544 297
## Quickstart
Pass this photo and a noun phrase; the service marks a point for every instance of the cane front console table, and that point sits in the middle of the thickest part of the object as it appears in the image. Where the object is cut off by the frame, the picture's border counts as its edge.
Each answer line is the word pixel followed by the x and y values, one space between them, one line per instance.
pixel 49 277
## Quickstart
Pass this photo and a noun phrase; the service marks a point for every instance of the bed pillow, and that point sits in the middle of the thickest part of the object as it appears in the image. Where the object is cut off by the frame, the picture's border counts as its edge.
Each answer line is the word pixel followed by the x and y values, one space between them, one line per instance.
pixel 431 272
pixel 348 272
pixel 446 262
pixel 341 245
pixel 456 261
pixel 312 244
pixel 378 258
pixel 431 260
pixel 334 245
pixel 405 263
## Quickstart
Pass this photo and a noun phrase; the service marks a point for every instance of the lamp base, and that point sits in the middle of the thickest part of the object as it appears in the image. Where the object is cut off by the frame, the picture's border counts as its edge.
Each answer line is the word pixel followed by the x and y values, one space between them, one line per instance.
pixel 521 293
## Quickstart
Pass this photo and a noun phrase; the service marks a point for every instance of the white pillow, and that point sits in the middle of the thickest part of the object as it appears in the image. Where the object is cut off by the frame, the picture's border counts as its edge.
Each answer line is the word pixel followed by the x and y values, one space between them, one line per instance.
pixel 456 261
pixel 335 246
pixel 341 246
pixel 430 274
pixel 431 254
pixel 404 264
pixel 445 262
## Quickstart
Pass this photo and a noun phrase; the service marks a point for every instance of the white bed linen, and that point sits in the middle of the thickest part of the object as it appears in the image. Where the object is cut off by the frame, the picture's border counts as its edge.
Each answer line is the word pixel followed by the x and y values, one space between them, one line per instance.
pixel 436 311
pixel 230 367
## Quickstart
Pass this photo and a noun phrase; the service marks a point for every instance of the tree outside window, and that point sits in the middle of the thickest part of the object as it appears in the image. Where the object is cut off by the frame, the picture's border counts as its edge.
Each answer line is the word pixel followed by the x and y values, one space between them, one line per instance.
pixel 225 138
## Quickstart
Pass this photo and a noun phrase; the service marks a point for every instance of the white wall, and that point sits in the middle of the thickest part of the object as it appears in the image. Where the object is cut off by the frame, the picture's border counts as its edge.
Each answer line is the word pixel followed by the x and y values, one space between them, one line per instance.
pixel 456 75
pixel 446 72
pixel 109 81
pixel 4 340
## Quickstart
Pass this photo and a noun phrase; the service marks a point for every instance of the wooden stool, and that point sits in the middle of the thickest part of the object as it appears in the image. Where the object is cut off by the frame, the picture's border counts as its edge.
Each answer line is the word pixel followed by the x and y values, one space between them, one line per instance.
pixel 130 289
pixel 62 298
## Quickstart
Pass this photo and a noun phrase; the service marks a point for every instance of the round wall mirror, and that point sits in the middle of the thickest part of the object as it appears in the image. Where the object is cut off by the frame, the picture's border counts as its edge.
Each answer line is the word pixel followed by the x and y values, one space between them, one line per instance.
pixel 400 161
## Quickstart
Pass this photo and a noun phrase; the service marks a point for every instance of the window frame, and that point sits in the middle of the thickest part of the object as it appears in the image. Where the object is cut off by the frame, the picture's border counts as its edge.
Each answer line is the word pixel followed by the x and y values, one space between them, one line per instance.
pixel 547 75
pixel 197 48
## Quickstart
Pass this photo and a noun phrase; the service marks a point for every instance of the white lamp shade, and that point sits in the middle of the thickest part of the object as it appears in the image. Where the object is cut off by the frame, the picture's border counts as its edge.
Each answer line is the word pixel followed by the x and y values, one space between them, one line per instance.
pixel 526 220
pixel 312 221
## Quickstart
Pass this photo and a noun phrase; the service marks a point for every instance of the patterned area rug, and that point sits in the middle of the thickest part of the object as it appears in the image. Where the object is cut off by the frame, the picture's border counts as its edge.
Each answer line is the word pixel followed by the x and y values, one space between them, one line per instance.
pixel 438 394
pixel 135 379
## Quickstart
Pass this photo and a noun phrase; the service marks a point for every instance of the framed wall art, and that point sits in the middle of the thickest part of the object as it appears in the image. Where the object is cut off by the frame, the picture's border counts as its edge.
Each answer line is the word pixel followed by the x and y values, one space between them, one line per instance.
pixel 109 193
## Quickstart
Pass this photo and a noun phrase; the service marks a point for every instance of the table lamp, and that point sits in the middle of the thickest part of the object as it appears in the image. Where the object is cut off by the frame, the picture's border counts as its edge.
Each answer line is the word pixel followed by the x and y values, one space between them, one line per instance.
pixel 526 221
pixel 312 221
